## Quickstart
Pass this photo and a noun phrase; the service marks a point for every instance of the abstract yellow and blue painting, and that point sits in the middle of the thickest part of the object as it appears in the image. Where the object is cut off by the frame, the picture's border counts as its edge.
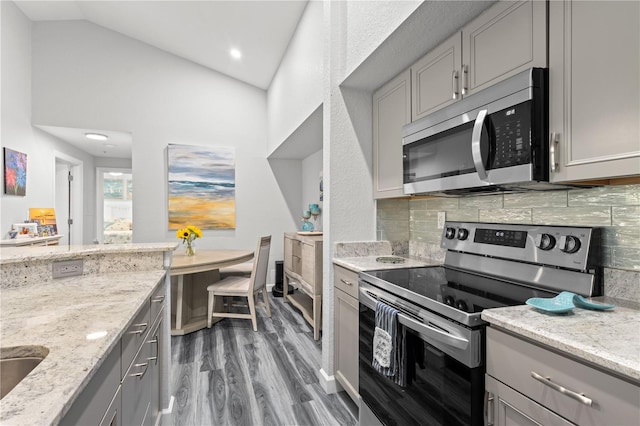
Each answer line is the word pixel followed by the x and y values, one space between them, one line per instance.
pixel 201 186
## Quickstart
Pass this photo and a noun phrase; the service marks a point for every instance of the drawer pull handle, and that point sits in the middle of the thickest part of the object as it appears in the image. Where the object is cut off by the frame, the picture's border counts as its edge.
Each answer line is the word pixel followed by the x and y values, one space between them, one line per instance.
pixel 488 408
pixel 141 374
pixel 349 283
pixel 158 299
pixel 140 331
pixel 571 394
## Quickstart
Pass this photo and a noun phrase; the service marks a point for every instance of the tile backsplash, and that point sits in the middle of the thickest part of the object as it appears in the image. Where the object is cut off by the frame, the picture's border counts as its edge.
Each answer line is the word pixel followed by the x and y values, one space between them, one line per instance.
pixel 615 208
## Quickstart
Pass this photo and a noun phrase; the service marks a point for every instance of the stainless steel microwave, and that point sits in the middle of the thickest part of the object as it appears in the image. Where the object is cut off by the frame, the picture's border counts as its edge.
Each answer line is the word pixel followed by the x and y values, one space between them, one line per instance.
pixel 494 140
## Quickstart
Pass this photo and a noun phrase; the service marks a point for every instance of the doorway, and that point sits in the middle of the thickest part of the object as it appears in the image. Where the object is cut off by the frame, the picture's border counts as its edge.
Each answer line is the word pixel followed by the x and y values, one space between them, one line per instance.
pixel 68 198
pixel 114 208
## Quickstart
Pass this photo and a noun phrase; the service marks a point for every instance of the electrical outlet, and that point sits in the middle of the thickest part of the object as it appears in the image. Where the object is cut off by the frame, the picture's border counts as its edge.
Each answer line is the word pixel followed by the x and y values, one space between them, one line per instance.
pixel 442 217
pixel 68 268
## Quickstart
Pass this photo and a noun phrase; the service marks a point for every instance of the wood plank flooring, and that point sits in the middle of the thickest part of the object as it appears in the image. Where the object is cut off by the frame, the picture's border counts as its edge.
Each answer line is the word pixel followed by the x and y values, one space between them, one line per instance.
pixel 231 375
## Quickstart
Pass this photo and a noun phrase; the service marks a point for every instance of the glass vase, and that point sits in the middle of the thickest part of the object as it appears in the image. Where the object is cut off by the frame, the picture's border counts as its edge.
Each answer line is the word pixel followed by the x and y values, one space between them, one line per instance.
pixel 189 249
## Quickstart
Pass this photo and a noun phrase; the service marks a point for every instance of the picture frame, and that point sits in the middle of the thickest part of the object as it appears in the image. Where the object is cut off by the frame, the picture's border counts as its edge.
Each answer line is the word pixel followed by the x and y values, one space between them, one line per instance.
pixel 15 172
pixel 26 229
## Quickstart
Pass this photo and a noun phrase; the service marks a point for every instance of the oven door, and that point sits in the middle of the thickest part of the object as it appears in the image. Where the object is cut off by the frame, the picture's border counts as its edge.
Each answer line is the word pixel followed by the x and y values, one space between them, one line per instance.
pixel 440 390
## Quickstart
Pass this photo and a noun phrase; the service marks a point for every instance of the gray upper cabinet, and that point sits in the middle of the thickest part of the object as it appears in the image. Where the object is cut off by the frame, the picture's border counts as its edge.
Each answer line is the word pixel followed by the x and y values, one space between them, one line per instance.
pixel 391 111
pixel 436 78
pixel 594 89
pixel 506 39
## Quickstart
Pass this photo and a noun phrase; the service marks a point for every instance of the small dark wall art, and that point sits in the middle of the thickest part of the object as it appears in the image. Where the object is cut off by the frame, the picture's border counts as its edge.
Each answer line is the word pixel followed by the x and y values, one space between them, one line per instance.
pixel 15 172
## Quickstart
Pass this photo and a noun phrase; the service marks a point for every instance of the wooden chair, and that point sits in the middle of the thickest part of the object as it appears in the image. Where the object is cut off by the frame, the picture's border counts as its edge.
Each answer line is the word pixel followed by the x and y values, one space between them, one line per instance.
pixel 239 270
pixel 238 286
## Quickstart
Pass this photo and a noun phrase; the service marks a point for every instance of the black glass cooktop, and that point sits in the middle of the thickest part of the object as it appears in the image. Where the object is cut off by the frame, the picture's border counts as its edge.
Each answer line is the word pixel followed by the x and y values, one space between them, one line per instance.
pixel 464 291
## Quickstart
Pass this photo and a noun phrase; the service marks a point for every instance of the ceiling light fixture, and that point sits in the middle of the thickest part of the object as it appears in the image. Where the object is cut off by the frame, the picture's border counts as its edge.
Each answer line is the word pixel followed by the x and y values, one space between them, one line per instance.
pixel 96 136
pixel 235 53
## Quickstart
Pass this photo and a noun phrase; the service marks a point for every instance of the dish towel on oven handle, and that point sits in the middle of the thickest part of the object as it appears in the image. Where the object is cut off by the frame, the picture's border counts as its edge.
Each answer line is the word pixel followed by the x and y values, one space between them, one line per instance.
pixel 389 354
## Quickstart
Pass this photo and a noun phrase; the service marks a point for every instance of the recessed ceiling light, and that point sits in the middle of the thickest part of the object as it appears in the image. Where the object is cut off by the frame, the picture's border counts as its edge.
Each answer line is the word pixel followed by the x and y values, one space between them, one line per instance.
pixel 96 136
pixel 235 53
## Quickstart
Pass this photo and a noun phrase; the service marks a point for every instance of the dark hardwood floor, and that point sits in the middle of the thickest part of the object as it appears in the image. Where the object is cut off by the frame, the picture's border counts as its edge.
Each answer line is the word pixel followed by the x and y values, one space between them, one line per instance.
pixel 231 375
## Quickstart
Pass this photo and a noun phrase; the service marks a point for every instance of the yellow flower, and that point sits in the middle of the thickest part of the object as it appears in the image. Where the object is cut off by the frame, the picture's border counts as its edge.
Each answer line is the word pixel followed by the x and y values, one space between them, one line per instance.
pixel 194 229
pixel 190 233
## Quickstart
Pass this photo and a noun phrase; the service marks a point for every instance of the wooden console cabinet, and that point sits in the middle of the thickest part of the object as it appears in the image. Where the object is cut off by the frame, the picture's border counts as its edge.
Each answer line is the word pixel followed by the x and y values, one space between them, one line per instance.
pixel 303 265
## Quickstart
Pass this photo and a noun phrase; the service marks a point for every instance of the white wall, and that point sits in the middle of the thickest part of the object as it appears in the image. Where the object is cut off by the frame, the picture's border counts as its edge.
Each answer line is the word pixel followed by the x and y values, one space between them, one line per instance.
pixel 89 77
pixel 368 24
pixel 18 133
pixel 296 89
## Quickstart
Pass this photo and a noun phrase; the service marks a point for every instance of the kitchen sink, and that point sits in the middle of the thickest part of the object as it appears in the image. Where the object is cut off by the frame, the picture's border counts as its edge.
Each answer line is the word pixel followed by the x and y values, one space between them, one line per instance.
pixel 16 363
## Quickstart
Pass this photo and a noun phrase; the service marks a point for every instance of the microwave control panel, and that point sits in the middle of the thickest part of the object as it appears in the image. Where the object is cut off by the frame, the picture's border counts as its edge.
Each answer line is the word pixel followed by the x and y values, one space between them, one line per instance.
pixel 511 136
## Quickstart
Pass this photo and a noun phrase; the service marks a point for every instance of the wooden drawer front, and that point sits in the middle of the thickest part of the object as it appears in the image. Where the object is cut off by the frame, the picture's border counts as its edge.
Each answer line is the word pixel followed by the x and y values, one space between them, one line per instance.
pixel 296 248
pixel 157 302
pixel 346 281
pixel 512 361
pixel 308 263
pixel 288 252
pixel 134 337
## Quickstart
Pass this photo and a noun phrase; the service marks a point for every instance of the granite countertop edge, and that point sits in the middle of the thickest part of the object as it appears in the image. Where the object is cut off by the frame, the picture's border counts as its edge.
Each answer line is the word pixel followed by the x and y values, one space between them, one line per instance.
pixel 36 315
pixel 369 263
pixel 590 335
pixel 10 255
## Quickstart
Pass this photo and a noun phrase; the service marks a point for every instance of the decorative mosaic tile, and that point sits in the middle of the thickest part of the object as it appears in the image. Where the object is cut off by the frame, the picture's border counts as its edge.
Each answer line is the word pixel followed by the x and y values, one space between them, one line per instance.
pixel 471 215
pixel 575 216
pixel 626 257
pixel 505 215
pixel 621 236
pixel 441 204
pixel 420 204
pixel 623 195
pixel 535 199
pixel 625 216
pixel 481 202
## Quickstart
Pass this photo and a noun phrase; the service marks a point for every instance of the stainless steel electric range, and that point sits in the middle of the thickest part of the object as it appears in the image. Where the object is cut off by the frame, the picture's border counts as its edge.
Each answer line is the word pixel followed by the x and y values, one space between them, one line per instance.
pixel 486 266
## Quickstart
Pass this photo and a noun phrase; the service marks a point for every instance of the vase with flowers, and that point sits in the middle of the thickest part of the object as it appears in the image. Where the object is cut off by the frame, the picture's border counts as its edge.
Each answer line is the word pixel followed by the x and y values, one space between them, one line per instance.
pixel 188 235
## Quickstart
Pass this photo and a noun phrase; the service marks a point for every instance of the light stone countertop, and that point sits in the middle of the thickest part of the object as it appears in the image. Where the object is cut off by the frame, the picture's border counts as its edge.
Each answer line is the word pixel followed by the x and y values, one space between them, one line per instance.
pixel 10 255
pixel 369 263
pixel 59 315
pixel 609 339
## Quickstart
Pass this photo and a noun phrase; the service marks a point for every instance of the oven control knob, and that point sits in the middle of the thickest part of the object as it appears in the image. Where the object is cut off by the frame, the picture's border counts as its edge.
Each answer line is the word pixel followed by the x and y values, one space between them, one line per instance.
pixel 449 300
pixel 462 305
pixel 569 244
pixel 450 233
pixel 462 234
pixel 545 241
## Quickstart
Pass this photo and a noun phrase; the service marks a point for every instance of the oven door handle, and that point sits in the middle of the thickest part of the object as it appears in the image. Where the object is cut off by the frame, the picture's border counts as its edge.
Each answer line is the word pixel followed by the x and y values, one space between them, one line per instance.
pixel 441 335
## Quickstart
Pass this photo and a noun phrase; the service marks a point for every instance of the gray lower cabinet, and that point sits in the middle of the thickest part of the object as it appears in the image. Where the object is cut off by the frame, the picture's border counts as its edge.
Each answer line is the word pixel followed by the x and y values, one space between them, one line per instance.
pixel 136 392
pixel 126 388
pixel 96 399
pixel 528 384
pixel 346 330
pixel 113 416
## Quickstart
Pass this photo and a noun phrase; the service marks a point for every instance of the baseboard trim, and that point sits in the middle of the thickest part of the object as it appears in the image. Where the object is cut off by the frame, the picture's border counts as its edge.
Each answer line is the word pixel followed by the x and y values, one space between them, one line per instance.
pixel 329 383
pixel 169 409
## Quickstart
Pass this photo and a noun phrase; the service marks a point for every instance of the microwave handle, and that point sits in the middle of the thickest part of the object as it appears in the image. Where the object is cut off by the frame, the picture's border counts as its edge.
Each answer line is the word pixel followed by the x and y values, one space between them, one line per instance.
pixel 475 144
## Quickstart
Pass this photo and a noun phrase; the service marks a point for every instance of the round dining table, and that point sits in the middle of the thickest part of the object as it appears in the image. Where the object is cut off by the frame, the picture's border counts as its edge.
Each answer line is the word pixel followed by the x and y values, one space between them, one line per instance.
pixel 189 287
